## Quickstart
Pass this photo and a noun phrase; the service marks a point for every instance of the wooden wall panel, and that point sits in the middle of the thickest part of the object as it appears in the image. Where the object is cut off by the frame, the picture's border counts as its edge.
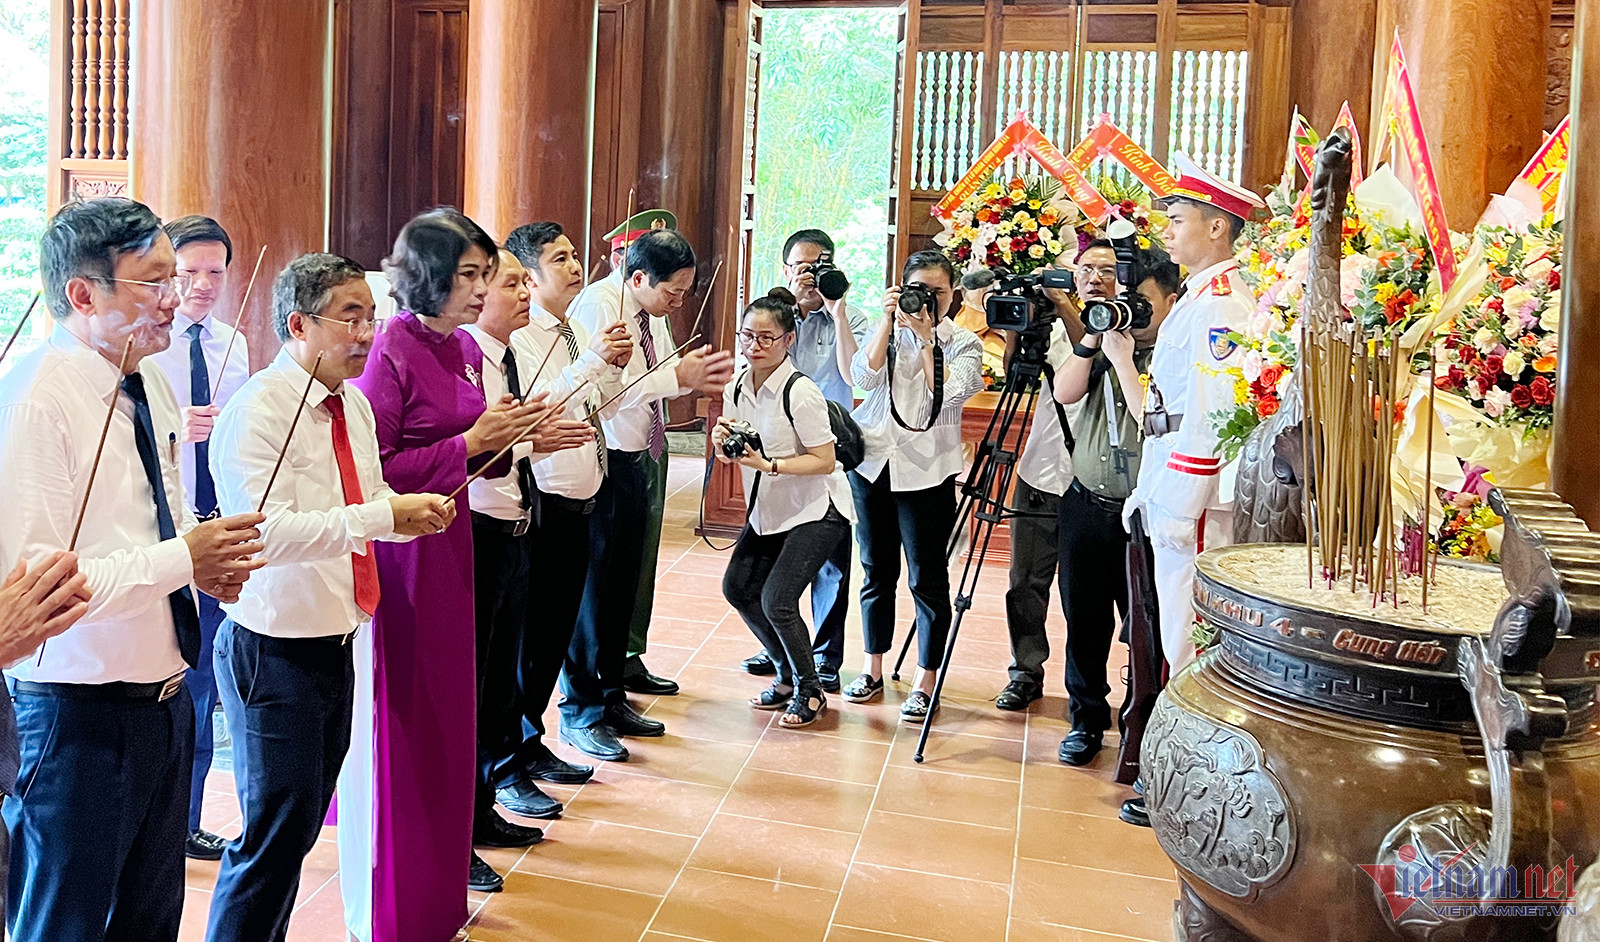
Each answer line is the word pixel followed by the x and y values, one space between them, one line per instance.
pixel 1558 63
pixel 615 162
pixel 427 130
pixel 358 224
pixel 1331 49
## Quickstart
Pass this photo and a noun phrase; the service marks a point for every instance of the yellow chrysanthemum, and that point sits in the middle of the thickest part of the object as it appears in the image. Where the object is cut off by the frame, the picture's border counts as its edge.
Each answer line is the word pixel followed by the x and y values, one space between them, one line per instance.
pixel 1241 392
pixel 1384 292
pixel 1034 204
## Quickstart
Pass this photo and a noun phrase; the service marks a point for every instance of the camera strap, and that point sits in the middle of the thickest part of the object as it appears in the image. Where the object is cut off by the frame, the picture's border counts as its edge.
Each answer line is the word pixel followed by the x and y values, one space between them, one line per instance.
pixel 1061 412
pixel 938 386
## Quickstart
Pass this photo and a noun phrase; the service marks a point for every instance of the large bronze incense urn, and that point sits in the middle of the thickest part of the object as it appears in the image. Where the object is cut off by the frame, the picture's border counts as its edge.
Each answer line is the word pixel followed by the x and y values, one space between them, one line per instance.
pixel 1333 771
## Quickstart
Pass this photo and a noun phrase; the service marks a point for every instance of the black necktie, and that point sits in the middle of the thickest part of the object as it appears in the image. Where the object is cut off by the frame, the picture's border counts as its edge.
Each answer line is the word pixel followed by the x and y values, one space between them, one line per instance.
pixel 185 618
pixel 524 466
pixel 205 492
pixel 565 330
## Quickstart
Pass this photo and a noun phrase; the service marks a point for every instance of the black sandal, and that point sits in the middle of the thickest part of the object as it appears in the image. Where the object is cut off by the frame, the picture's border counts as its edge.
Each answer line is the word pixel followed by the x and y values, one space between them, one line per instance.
pixel 805 708
pixel 864 688
pixel 772 698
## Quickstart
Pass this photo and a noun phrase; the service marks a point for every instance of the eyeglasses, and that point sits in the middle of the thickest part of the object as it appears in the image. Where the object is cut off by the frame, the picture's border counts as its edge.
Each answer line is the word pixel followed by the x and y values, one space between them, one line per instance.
pixel 1089 271
pixel 356 328
pixel 175 287
pixel 759 341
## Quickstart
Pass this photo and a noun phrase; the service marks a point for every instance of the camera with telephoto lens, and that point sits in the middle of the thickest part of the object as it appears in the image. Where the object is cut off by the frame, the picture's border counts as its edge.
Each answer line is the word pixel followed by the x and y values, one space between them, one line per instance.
pixel 740 434
pixel 916 298
pixel 831 282
pixel 1018 302
pixel 1130 311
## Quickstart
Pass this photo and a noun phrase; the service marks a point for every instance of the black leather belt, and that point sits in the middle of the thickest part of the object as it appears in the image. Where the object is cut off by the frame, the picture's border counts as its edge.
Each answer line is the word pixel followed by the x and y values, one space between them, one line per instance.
pixel 571 504
pixel 1111 505
pixel 515 527
pixel 115 692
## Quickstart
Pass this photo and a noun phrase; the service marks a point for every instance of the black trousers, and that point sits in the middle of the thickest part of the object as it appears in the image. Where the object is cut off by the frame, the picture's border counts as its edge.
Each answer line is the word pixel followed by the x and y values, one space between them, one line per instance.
pixel 99 818
pixel 1035 549
pixel 592 678
pixel 288 705
pixel 920 523
pixel 502 570
pixel 1094 581
pixel 763 582
pixel 560 568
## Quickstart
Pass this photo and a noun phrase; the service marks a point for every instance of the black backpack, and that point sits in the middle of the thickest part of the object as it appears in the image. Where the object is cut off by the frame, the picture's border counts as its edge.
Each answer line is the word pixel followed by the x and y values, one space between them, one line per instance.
pixel 849 448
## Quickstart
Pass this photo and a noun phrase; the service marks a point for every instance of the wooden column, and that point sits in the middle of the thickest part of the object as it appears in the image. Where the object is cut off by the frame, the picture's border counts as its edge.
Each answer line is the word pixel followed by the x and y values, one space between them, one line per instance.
pixel 1331 62
pixel 1478 68
pixel 529 109
pixel 229 98
pixel 679 87
pixel 1576 441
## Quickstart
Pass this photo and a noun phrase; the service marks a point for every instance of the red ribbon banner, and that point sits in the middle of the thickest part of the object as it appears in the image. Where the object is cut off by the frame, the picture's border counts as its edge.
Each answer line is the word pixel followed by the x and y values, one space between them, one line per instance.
pixel 1107 140
pixel 1347 120
pixel 1414 142
pixel 1545 170
pixel 1022 137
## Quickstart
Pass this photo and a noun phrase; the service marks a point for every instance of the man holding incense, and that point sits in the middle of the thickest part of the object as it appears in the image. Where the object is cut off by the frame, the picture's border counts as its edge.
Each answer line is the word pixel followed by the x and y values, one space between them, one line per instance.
pixel 283 654
pixel 87 433
pixel 1184 509
pixel 625 526
pixel 567 483
pixel 507 510
pixel 206 364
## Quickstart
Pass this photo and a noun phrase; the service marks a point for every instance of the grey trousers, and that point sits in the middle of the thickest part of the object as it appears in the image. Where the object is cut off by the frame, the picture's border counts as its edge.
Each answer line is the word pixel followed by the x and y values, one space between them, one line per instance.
pixel 1034 551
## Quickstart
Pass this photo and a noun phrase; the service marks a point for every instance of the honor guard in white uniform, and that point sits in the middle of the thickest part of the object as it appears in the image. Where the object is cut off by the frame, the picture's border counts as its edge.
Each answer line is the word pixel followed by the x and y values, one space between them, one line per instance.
pixel 1185 511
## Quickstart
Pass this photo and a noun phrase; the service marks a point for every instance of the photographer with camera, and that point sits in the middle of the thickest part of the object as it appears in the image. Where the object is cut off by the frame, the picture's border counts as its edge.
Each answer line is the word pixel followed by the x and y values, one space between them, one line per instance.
pixel 917 363
pixel 1099 378
pixel 775 425
pixel 828 330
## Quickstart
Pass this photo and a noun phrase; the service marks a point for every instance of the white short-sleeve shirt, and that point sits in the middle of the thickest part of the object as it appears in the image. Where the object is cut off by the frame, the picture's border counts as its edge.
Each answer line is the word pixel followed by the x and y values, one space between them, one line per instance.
pixel 787 500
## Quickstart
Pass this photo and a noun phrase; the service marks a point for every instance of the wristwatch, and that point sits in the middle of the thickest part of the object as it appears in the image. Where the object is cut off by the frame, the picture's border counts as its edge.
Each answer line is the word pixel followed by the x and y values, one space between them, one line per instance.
pixel 774 467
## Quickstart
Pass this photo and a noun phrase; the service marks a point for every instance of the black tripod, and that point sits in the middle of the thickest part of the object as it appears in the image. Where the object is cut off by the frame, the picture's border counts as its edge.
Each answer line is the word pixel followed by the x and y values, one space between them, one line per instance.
pixel 986 486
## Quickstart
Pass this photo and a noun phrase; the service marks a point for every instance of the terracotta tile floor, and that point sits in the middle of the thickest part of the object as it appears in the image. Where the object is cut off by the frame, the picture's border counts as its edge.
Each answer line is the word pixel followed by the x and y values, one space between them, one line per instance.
pixel 731 829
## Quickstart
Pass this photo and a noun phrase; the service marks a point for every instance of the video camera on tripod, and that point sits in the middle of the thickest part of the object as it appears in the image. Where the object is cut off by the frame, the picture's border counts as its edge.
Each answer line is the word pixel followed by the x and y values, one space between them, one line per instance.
pixel 1018 302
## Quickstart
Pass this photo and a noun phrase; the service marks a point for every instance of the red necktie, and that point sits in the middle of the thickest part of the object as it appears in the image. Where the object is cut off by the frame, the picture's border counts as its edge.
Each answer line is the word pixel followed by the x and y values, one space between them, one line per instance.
pixel 364 565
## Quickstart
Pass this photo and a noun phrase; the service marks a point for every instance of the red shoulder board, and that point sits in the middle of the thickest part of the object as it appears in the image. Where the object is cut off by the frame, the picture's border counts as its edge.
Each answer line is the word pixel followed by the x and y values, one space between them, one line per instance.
pixel 1221 286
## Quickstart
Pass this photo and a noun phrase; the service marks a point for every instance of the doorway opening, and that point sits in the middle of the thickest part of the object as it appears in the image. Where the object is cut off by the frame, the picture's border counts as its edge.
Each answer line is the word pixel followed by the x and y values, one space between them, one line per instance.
pixel 824 138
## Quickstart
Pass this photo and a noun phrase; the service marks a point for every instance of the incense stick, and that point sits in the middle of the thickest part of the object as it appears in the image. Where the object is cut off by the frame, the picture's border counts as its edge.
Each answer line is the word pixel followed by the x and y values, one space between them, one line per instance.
pixel 710 287
pixel 99 450
pixel 289 437
pixel 560 409
pixel 238 324
pixel 20 324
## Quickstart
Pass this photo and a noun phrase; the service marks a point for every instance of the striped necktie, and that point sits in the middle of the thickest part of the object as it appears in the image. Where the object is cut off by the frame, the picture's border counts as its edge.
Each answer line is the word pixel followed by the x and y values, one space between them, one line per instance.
pixel 658 426
pixel 565 329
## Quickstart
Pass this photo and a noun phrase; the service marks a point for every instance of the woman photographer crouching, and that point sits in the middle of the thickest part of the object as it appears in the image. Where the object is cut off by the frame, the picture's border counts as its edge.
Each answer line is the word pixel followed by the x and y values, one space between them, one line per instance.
pixel 799 500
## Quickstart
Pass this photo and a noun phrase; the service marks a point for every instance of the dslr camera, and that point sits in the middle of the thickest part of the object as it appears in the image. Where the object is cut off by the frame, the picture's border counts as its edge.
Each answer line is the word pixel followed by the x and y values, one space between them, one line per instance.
pixel 740 434
pixel 916 298
pixel 1130 311
pixel 831 282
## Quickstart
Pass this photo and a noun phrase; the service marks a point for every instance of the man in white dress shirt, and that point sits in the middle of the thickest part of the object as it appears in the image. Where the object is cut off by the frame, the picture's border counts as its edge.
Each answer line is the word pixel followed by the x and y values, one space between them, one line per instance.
pixel 106 726
pixel 625 527
pixel 283 654
pixel 199 352
pixel 567 483
pixel 505 516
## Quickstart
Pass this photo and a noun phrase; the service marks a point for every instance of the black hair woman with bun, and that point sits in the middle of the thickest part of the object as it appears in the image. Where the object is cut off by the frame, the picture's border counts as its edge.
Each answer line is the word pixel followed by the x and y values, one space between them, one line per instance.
pixel 800 503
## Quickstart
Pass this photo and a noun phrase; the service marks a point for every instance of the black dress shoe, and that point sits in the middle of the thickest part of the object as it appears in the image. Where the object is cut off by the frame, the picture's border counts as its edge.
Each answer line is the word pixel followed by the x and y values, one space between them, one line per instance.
pixel 760 665
pixel 548 767
pixel 624 720
pixel 828 677
pixel 1134 812
pixel 203 845
pixel 1017 695
pixel 644 682
pixel 1080 747
pixel 598 741
pixel 483 878
pixel 524 798
pixel 495 831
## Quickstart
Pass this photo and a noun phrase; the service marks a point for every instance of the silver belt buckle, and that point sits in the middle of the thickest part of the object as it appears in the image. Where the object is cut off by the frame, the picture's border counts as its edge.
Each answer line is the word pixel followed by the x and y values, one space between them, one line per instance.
pixel 523 523
pixel 170 688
